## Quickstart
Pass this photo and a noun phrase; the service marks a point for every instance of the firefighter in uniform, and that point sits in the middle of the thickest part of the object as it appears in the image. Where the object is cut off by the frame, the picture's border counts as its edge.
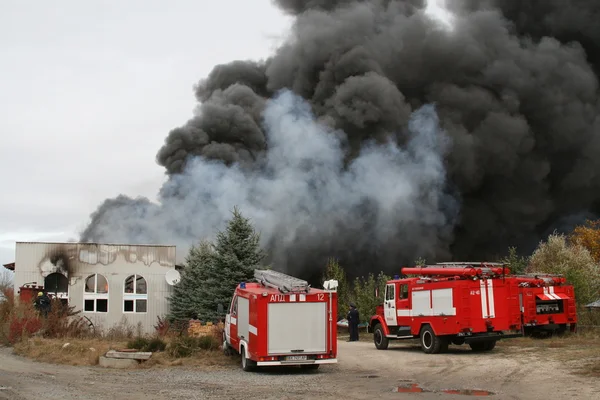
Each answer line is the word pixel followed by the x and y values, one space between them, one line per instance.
pixel 42 303
pixel 353 323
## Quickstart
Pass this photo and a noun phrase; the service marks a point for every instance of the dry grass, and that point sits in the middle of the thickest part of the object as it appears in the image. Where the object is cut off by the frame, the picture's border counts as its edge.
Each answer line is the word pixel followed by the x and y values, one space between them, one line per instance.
pixel 78 352
pixel 205 359
pixel 591 368
pixel 86 352
pixel 580 351
pixel 586 339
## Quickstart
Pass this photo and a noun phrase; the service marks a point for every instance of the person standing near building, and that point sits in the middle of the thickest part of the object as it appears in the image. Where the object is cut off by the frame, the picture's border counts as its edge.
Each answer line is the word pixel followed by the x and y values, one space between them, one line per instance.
pixel 353 319
pixel 42 303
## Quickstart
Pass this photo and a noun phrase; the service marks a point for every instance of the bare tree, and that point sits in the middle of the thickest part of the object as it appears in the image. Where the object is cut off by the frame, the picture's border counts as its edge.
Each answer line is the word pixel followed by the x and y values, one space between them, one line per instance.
pixel 6 279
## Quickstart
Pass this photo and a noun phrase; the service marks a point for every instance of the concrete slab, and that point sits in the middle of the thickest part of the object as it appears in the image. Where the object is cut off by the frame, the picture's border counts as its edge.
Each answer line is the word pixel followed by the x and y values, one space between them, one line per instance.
pixel 120 363
pixel 130 355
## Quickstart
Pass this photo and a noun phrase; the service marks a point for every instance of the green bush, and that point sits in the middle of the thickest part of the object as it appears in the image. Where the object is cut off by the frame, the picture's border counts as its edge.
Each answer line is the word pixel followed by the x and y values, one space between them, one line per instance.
pixel 143 344
pixel 186 346
pixel 368 294
pixel 333 270
pixel 208 342
pixel 138 343
pixel 558 256
pixel 183 346
pixel 156 344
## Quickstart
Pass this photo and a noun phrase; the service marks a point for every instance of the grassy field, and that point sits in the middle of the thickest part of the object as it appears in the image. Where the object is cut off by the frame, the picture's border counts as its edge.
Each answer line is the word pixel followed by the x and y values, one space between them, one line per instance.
pixel 87 351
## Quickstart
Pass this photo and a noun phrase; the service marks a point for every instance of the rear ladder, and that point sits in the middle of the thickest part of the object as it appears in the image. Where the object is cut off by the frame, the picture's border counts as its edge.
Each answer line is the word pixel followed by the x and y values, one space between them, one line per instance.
pixel 278 280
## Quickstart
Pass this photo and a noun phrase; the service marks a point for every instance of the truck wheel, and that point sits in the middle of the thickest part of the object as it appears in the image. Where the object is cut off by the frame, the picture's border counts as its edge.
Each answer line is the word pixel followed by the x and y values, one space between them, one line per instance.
pixel 430 343
pixel 483 346
pixel 247 365
pixel 381 342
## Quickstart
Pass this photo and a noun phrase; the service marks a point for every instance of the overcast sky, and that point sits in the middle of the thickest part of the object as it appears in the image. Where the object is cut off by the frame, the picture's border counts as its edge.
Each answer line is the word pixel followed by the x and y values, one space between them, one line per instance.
pixel 90 89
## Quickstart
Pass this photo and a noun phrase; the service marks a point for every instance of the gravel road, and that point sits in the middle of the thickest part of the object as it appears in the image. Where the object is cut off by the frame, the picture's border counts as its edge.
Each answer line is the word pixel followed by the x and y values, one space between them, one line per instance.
pixel 362 373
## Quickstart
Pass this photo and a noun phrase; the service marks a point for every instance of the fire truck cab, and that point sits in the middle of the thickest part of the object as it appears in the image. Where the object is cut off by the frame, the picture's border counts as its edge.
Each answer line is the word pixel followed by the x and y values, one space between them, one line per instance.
pixel 547 304
pixel 281 320
pixel 446 304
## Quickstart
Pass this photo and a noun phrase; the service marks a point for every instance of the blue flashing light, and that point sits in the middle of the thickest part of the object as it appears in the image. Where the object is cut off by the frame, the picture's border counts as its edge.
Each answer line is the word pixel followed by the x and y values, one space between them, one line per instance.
pixel 396 277
pixel 243 285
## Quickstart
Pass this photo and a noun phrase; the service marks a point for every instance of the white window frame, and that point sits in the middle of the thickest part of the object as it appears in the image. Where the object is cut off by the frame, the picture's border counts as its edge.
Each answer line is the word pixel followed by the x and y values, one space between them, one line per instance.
pixel 135 296
pixel 95 296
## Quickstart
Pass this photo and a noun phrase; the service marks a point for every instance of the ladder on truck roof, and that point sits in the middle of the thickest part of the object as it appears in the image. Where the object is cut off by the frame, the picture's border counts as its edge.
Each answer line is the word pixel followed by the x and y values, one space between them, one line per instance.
pixel 469 264
pixel 486 269
pixel 279 280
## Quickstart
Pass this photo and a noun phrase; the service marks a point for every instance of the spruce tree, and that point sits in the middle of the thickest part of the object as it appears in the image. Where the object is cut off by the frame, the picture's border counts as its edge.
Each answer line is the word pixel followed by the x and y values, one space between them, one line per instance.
pixel 237 255
pixel 187 299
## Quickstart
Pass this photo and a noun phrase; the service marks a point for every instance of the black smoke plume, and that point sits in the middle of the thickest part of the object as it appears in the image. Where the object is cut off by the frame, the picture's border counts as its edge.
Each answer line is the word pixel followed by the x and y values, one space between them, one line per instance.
pixel 515 89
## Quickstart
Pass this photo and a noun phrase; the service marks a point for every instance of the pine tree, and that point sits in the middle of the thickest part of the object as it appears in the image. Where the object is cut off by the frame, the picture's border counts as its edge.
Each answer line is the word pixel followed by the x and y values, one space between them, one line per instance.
pixel 237 255
pixel 187 299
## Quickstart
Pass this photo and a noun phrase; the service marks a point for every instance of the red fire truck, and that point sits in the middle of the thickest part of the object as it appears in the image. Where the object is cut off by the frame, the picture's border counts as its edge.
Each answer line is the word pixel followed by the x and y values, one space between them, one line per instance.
pixel 447 303
pixel 547 304
pixel 281 320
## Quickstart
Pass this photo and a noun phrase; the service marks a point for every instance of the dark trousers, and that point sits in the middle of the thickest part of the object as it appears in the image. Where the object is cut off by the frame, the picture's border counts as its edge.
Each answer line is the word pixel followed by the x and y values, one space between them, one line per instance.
pixel 353 328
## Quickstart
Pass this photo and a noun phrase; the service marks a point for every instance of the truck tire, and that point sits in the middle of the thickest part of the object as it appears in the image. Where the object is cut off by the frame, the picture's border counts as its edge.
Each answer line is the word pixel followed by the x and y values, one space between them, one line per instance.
pixel 247 364
pixel 381 342
pixel 430 342
pixel 483 346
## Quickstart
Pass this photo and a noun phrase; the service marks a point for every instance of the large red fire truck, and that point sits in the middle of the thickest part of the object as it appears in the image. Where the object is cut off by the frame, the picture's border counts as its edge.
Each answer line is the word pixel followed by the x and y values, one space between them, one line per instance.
pixel 547 304
pixel 281 320
pixel 447 303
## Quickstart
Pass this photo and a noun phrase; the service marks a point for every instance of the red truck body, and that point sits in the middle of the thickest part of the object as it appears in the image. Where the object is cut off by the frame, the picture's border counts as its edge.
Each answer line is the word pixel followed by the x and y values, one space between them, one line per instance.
pixel 449 304
pixel 547 303
pixel 281 320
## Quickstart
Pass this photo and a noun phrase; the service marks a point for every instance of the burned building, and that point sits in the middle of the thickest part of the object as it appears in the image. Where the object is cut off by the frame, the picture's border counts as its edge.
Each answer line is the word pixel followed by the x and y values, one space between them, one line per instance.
pixel 105 281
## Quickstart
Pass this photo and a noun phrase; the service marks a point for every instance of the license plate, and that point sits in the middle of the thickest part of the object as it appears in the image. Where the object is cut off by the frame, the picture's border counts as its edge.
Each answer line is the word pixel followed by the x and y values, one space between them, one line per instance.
pixel 296 358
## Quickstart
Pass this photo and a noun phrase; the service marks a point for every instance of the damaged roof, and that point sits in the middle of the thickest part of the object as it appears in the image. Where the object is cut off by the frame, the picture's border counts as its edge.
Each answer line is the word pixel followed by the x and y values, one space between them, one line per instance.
pixel 99 244
pixel 10 266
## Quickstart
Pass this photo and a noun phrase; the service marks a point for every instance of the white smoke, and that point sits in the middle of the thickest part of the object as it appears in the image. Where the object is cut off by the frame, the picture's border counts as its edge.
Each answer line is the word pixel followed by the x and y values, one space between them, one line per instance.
pixel 303 193
pixel 439 12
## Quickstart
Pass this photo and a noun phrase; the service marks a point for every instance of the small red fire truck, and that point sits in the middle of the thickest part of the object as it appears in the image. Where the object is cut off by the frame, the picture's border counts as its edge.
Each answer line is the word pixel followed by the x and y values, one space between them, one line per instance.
pixel 281 320
pixel 547 304
pixel 447 303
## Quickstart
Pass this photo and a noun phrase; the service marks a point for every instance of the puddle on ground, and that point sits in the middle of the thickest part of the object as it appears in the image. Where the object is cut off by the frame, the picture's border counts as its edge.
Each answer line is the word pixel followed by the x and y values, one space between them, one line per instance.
pixel 415 388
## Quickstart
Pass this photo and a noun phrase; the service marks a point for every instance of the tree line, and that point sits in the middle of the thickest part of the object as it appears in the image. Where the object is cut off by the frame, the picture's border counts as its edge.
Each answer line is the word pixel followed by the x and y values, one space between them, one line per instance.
pixel 212 271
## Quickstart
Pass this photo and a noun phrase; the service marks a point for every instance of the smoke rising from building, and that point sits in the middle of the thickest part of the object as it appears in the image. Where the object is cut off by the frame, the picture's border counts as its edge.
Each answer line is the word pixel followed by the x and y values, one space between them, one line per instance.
pixel 516 93
pixel 303 195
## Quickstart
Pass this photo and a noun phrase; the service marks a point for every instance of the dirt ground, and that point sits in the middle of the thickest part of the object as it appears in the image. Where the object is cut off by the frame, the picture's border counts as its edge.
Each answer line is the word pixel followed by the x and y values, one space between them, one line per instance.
pixel 509 372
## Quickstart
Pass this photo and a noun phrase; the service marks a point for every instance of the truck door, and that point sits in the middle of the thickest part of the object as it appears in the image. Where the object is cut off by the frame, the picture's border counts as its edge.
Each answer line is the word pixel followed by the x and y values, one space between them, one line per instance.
pixel 402 304
pixel 231 323
pixel 389 306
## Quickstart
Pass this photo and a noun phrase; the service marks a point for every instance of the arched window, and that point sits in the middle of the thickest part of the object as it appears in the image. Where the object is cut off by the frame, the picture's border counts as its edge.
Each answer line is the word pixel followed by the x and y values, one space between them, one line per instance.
pixel 135 294
pixel 95 295
pixel 57 285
